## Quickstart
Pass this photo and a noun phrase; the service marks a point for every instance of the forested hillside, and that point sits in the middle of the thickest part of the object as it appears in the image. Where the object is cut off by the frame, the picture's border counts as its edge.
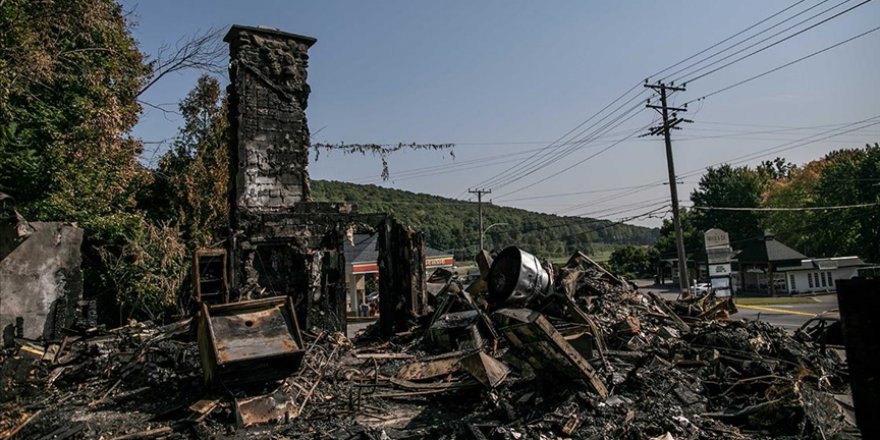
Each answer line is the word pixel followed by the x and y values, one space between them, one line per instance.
pixel 453 225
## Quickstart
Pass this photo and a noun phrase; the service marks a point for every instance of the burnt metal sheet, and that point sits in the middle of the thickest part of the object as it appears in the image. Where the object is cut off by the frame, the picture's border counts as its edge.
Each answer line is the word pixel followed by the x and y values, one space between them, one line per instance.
pixel 250 340
pixel 489 371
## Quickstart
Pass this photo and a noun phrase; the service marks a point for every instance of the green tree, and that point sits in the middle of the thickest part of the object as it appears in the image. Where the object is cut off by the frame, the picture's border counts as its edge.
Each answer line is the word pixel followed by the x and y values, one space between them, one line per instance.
pixel 726 186
pixel 842 177
pixel 70 73
pixel 796 190
pixel 190 184
pixel 776 169
pixel 836 232
pixel 631 261
pixel 869 192
pixel 665 246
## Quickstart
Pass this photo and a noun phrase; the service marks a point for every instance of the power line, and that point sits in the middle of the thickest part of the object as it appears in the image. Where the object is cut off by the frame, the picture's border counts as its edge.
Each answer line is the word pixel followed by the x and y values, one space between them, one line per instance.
pixel 788 146
pixel 776 42
pixel 752 36
pixel 509 175
pixel 498 159
pixel 501 179
pixel 807 140
pixel 616 210
pixel 775 69
pixel 569 132
pixel 547 196
pixel 726 39
pixel 579 162
pixel 480 161
pixel 617 223
pixel 585 222
pixel 806 208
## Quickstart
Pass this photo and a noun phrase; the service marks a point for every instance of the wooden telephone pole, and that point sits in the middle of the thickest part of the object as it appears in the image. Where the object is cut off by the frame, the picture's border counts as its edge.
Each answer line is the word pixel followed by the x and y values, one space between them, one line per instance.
pixel 670 123
pixel 479 193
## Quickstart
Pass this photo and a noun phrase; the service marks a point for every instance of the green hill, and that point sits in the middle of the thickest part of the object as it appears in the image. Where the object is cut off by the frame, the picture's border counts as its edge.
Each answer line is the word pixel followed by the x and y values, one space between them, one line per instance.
pixel 452 225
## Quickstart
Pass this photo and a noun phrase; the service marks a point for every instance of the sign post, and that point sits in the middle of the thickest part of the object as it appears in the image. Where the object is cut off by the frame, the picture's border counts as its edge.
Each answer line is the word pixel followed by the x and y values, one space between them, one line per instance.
pixel 719 255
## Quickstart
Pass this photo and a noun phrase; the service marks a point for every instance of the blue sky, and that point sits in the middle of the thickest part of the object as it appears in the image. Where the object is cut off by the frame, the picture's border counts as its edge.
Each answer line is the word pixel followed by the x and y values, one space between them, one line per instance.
pixel 501 78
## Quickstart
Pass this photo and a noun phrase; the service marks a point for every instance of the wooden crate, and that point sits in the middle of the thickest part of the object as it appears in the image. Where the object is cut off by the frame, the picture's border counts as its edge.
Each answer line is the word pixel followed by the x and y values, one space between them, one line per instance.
pixel 210 278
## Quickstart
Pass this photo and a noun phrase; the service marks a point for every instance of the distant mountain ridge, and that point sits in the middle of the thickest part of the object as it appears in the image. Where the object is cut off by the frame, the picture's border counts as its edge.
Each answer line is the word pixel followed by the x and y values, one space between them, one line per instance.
pixel 452 225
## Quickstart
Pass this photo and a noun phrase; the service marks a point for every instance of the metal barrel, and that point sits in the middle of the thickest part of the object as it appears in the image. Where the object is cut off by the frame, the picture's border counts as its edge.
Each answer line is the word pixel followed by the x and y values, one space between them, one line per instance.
pixel 516 276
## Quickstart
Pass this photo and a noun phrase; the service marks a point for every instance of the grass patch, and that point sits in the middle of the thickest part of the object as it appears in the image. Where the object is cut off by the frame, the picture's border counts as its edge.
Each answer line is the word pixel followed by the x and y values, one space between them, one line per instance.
pixel 598 256
pixel 778 300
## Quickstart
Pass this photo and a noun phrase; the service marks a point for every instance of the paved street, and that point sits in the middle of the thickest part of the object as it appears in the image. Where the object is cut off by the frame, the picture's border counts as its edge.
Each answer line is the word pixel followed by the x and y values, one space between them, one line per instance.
pixel 788 316
pixel 354 327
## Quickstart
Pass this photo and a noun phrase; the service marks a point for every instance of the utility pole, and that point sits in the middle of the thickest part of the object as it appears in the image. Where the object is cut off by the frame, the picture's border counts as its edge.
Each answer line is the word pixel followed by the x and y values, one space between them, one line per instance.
pixel 670 124
pixel 479 193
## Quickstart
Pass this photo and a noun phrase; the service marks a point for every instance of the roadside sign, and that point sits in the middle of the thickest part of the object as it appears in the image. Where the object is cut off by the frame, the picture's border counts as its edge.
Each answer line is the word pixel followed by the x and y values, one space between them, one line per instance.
pixel 719 255
pixel 720 283
pixel 719 270
pixel 716 238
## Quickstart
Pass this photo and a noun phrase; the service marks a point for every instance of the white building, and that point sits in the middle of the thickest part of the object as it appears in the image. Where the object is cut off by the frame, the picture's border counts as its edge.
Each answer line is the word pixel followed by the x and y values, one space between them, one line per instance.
pixel 820 274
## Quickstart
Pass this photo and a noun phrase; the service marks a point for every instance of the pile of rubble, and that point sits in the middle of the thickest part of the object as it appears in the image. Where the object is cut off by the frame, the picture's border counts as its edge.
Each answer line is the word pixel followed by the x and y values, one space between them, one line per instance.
pixel 521 353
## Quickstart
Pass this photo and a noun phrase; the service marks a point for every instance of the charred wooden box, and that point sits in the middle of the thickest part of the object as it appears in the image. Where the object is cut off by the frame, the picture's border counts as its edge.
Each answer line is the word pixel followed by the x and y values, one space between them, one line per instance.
pixel 249 341
pixel 457 331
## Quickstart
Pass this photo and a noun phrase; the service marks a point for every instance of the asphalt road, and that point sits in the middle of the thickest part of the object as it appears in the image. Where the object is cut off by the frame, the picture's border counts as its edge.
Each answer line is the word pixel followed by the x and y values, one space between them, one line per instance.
pixel 787 316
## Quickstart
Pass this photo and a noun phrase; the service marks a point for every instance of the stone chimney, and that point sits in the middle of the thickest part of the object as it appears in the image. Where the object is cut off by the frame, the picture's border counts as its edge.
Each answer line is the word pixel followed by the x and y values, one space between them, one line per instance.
pixel 268 96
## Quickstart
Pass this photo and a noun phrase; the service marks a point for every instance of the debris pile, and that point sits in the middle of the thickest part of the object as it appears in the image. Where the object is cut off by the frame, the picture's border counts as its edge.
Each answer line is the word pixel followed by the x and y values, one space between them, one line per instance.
pixel 521 353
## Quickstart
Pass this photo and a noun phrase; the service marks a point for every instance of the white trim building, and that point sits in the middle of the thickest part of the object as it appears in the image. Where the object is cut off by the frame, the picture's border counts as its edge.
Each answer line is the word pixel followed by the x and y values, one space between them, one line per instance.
pixel 820 274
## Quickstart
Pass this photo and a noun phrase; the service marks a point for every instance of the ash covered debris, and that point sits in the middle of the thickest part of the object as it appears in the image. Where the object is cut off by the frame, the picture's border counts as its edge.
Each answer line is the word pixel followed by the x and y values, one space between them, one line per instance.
pixel 583 356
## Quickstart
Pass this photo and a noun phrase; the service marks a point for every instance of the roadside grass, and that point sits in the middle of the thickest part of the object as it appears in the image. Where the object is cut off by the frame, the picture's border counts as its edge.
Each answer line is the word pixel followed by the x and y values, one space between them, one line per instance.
pixel 777 300
pixel 598 256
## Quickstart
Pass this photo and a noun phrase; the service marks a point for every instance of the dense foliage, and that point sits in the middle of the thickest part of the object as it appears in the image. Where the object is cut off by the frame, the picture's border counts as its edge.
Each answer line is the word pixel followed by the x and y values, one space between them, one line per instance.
pixel 726 186
pixel 189 185
pixel 841 178
pixel 453 225
pixel 633 261
pixel 848 177
pixel 69 77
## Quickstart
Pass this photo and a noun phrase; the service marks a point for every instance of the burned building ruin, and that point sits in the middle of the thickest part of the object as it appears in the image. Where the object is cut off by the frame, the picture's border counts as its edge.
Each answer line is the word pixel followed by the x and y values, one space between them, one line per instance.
pixel 282 243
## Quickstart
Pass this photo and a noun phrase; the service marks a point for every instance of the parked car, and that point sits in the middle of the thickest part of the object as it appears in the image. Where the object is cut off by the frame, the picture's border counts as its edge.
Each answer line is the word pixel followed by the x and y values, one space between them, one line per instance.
pixel 373 297
pixel 701 289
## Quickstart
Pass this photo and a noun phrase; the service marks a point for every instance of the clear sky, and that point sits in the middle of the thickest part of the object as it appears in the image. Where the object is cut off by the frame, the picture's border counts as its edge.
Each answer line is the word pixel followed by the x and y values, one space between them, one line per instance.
pixel 502 79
